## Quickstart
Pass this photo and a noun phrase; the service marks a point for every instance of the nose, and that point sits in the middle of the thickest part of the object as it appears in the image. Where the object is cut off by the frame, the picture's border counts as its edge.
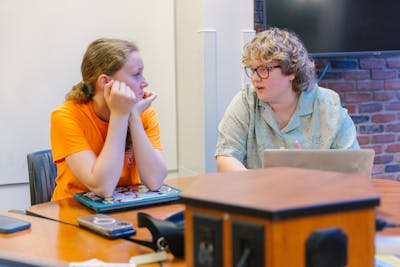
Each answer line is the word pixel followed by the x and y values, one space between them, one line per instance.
pixel 144 83
pixel 255 77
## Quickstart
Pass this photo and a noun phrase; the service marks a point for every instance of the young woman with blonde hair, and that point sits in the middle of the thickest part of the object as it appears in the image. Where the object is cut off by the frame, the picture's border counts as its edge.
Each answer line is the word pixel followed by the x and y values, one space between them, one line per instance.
pixel 107 133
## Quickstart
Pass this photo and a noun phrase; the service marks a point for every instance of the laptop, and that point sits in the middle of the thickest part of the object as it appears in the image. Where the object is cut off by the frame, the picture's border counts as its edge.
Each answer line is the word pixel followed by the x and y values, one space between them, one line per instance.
pixel 128 197
pixel 338 160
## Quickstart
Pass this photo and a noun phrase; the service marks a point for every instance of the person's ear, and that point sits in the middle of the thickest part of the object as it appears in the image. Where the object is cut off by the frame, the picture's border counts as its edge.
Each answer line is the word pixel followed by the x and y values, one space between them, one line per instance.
pixel 291 77
pixel 102 80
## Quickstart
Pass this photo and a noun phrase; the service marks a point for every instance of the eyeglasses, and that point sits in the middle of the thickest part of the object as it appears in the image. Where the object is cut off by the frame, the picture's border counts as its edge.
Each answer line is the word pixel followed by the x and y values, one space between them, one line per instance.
pixel 262 71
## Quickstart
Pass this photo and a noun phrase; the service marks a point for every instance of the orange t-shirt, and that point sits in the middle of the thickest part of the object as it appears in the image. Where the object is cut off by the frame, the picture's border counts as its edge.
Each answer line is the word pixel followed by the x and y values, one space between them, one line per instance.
pixel 75 127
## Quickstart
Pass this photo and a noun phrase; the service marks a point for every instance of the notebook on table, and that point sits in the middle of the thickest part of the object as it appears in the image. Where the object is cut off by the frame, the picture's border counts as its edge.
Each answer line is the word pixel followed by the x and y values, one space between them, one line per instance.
pixel 339 160
pixel 128 197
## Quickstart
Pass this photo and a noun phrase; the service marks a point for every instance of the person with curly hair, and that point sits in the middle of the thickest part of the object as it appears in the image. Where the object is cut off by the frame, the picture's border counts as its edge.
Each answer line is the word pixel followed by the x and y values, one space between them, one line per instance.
pixel 283 108
pixel 106 134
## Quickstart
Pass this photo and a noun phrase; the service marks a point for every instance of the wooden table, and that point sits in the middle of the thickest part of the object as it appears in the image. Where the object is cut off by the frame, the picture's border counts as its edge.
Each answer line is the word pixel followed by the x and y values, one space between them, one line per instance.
pixel 51 240
pixel 389 208
pixel 66 242
pixel 68 210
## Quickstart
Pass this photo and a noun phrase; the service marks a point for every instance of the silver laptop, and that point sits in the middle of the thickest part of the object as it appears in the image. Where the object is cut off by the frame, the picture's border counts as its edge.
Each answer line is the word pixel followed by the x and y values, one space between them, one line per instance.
pixel 339 160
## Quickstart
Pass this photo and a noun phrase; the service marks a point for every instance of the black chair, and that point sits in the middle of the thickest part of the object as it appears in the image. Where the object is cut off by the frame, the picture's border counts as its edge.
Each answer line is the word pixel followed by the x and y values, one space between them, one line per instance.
pixel 42 175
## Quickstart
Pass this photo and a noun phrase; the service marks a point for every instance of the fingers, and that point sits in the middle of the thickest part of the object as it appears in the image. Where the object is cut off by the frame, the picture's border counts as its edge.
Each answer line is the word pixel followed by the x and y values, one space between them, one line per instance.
pixel 146 102
pixel 150 98
pixel 143 104
pixel 119 97
pixel 120 88
pixel 147 94
pixel 107 88
pixel 297 144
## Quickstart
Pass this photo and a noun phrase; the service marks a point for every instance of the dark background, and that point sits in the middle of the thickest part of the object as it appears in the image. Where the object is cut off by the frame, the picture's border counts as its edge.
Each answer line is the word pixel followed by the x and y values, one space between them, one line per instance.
pixel 338 26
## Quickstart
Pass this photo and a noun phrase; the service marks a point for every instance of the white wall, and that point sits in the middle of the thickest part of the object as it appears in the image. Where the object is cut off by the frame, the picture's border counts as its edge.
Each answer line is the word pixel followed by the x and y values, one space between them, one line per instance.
pixel 14 196
pixel 190 84
pixel 41 48
pixel 209 39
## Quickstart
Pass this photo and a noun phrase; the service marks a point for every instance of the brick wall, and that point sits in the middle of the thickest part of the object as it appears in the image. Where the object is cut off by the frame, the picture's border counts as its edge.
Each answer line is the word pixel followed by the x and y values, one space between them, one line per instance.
pixel 369 87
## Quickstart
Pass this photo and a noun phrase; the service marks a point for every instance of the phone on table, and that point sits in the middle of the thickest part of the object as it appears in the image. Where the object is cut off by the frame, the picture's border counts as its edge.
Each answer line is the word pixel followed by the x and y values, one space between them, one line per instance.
pixel 106 225
pixel 11 225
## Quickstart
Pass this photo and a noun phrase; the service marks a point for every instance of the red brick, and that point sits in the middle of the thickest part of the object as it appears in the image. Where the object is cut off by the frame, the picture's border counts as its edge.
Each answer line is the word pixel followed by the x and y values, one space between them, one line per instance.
pixel 372 63
pixel 378 169
pixel 383 159
pixel 344 63
pixel 320 63
pixel 377 149
pixel 363 140
pixel 357 97
pixel 393 128
pixel 384 74
pixel 392 106
pixel 381 118
pixel 331 75
pixel 383 139
pixel 356 75
pixel 384 95
pixel 259 27
pixel 397 157
pixel 393 148
pixel 341 95
pixel 371 129
pixel 370 85
pixel 351 109
pixel 372 107
pixel 393 62
pixel 342 86
pixel 392 84
pixel 392 168
pixel 323 84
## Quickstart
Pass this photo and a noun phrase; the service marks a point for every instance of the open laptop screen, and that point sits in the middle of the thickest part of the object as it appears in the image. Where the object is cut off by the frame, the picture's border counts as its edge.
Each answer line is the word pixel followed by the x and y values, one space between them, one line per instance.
pixel 339 160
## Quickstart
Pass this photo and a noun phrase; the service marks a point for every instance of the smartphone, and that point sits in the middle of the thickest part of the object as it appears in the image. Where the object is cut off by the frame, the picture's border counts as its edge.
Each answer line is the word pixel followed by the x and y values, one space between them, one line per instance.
pixel 106 225
pixel 11 225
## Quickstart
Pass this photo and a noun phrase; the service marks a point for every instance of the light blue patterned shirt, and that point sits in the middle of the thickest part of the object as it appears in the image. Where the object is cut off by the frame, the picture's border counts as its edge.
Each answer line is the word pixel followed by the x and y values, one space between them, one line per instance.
pixel 249 126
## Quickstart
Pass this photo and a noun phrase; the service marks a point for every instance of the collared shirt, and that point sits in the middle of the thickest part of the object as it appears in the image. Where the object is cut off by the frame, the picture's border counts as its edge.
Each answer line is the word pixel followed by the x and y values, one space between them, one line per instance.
pixel 249 126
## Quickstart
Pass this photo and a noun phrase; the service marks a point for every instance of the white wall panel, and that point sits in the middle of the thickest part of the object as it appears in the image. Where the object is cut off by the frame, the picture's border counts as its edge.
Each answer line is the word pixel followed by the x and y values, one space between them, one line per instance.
pixel 41 48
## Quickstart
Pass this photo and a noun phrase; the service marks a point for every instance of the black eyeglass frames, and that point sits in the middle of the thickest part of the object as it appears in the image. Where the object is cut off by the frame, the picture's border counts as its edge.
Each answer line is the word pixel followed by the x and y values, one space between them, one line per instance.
pixel 262 71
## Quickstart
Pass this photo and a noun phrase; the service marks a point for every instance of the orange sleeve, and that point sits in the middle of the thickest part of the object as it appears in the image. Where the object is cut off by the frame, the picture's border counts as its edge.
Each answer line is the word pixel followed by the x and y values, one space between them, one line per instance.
pixel 152 127
pixel 65 134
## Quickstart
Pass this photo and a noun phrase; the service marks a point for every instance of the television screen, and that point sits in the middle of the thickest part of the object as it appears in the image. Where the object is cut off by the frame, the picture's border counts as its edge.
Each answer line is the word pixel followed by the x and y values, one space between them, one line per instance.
pixel 339 26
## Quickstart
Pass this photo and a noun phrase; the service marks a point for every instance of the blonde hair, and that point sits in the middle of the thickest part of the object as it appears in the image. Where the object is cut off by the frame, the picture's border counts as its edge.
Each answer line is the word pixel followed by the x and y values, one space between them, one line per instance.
pixel 287 50
pixel 103 56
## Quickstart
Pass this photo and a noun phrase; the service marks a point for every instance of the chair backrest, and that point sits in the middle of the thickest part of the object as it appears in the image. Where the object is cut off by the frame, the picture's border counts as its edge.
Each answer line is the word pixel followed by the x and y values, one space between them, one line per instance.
pixel 42 175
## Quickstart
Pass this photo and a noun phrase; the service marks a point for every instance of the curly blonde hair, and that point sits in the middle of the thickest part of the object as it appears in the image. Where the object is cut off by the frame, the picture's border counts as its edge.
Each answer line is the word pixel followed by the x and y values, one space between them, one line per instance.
pixel 287 50
pixel 103 56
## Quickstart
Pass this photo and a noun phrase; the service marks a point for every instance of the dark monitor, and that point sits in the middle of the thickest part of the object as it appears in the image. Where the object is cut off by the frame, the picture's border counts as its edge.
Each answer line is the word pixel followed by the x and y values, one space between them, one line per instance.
pixel 339 26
